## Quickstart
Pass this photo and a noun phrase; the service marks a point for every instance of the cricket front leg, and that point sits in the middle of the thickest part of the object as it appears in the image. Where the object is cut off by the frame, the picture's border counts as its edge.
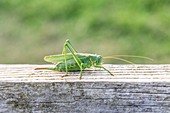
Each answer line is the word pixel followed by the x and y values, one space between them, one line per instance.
pixel 100 66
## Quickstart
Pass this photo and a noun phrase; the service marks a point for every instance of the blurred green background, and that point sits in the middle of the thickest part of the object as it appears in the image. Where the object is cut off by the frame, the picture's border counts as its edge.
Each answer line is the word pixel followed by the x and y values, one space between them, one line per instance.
pixel 31 29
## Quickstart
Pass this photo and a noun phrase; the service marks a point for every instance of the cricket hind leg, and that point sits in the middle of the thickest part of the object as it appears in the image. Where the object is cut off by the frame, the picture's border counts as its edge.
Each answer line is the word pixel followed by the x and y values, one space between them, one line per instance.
pixel 69 46
pixel 64 52
pixel 100 66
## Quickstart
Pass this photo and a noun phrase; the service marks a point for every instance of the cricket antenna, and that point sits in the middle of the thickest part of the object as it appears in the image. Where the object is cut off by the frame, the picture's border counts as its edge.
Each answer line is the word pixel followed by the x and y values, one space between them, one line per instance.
pixel 117 58
pixel 132 56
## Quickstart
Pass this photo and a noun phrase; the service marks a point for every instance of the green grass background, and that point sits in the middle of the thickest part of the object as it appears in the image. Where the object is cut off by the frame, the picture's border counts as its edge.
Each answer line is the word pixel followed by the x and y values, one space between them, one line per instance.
pixel 31 29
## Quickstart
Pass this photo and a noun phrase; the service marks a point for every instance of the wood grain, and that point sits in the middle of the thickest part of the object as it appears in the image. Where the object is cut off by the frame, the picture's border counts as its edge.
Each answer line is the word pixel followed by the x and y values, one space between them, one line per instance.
pixel 132 89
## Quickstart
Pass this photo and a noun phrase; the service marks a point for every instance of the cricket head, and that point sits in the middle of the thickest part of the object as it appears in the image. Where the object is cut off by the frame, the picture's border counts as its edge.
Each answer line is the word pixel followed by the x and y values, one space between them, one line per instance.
pixel 96 59
pixel 99 60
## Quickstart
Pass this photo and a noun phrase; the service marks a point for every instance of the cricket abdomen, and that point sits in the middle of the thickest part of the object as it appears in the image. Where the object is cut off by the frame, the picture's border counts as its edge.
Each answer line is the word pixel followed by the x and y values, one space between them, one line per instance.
pixel 73 66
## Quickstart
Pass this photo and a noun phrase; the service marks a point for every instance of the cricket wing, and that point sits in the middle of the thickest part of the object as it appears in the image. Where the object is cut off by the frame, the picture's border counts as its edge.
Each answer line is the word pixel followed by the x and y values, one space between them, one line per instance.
pixel 57 58
pixel 60 57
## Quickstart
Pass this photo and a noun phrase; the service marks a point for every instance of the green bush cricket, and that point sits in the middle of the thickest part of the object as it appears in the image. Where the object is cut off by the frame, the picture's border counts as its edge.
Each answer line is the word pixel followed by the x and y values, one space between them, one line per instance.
pixel 75 61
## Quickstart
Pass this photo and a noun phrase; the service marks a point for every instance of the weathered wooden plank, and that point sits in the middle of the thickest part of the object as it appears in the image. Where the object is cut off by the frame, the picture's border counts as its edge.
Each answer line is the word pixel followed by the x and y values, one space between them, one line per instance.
pixel 134 88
